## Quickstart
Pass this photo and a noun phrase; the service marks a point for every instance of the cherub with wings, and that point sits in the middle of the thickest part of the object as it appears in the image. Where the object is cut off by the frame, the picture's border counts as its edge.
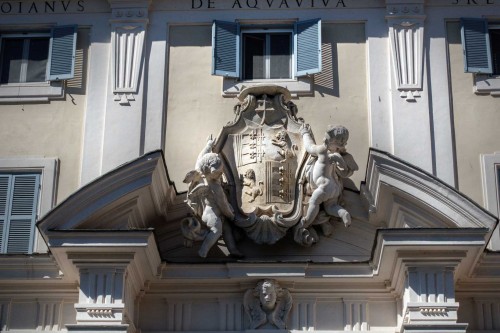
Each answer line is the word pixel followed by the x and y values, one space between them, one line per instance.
pixel 267 304
pixel 207 200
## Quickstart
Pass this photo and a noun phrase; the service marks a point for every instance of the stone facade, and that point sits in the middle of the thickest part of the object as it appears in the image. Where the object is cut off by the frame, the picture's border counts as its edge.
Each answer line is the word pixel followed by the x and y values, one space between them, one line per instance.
pixel 279 221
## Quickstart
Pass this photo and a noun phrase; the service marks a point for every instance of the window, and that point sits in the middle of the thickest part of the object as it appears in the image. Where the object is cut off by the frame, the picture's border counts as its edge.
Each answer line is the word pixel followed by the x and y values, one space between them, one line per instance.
pixel 270 52
pixel 481 46
pixel 32 61
pixel 24 59
pixel 267 55
pixel 17 234
pixel 18 206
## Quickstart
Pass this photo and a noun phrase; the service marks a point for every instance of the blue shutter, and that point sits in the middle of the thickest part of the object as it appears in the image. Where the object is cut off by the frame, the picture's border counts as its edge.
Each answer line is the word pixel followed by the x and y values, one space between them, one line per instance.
pixel 62 53
pixel 20 195
pixel 476 46
pixel 225 49
pixel 307 47
pixel 4 203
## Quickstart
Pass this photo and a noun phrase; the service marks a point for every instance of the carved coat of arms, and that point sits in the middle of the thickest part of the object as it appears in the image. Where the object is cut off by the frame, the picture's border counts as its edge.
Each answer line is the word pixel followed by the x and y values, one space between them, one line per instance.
pixel 274 174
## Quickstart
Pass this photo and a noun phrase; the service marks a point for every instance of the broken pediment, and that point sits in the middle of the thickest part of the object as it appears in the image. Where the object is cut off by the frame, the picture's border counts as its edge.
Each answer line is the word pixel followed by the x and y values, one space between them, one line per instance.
pixel 138 197
pixel 401 195
pixel 130 197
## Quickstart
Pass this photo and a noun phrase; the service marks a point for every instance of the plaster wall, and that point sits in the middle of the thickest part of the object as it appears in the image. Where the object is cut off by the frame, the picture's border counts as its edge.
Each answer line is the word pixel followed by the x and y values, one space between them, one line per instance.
pixel 53 129
pixel 476 119
pixel 340 94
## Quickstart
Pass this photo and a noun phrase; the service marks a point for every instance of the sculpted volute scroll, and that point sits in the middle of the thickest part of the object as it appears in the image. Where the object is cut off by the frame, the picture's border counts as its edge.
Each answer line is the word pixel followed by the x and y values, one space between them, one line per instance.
pixel 266 175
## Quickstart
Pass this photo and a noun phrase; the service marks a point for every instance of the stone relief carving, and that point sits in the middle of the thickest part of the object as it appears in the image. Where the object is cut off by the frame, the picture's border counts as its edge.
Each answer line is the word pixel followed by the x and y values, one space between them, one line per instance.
pixel 267 305
pixel 331 162
pixel 406 35
pixel 208 201
pixel 266 175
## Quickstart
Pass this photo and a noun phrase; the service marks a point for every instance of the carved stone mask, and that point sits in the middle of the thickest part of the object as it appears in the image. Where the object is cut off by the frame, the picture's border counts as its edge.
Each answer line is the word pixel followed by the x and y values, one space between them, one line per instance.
pixel 268 295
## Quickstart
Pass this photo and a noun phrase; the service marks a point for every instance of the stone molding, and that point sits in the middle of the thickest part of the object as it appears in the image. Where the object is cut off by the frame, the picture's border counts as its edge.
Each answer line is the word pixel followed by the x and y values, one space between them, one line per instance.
pixel 128 31
pixel 390 179
pixel 406 37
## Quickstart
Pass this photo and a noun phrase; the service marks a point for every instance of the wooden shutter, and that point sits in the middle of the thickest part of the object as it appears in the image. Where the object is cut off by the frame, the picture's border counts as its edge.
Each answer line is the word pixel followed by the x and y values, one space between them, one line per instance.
pixel 307 47
pixel 225 49
pixel 18 206
pixel 476 46
pixel 62 53
pixel 5 189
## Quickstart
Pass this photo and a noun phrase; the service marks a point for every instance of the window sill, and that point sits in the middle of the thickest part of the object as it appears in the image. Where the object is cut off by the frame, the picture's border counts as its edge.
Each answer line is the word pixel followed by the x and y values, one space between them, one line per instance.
pixel 487 84
pixel 302 86
pixel 31 92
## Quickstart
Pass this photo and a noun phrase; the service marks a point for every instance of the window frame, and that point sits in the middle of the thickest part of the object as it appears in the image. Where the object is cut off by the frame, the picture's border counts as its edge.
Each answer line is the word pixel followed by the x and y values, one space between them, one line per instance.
pixel 301 82
pixel 11 219
pixel 267 33
pixel 48 168
pixel 24 61
pixel 54 85
pixel 486 82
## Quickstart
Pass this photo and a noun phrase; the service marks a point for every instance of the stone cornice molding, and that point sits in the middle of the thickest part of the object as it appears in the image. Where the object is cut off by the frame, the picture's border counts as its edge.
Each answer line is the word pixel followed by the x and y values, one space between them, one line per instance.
pixel 397 249
pixel 135 249
pixel 129 197
pixel 41 267
pixel 434 203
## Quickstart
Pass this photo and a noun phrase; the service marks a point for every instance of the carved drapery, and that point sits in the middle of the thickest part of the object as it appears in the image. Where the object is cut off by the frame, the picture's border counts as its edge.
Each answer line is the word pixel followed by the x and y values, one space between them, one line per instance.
pixel 406 35
pixel 127 47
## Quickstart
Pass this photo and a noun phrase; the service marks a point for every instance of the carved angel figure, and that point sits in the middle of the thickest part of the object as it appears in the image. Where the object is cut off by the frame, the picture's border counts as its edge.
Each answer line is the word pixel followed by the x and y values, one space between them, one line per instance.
pixel 267 304
pixel 331 163
pixel 208 202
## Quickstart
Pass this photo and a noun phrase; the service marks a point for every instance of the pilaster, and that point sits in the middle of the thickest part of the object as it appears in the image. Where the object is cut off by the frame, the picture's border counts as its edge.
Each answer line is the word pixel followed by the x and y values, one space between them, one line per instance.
pixel 409 93
pixel 112 269
pixel 429 300
pixel 128 30
pixel 406 36
pixel 125 99
pixel 101 295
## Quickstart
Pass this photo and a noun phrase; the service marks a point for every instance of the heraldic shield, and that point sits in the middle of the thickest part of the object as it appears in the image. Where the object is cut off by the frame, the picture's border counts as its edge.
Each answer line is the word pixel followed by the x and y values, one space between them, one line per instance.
pixel 263 152
pixel 265 175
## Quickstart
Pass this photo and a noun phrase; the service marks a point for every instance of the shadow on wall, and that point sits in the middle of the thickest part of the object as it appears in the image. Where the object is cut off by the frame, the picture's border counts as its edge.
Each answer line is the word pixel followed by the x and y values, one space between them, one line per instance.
pixel 78 84
pixel 327 82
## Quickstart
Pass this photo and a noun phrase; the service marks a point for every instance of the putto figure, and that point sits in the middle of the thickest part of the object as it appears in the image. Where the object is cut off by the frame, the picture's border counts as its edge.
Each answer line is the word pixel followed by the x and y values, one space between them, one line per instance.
pixel 208 202
pixel 267 305
pixel 331 163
